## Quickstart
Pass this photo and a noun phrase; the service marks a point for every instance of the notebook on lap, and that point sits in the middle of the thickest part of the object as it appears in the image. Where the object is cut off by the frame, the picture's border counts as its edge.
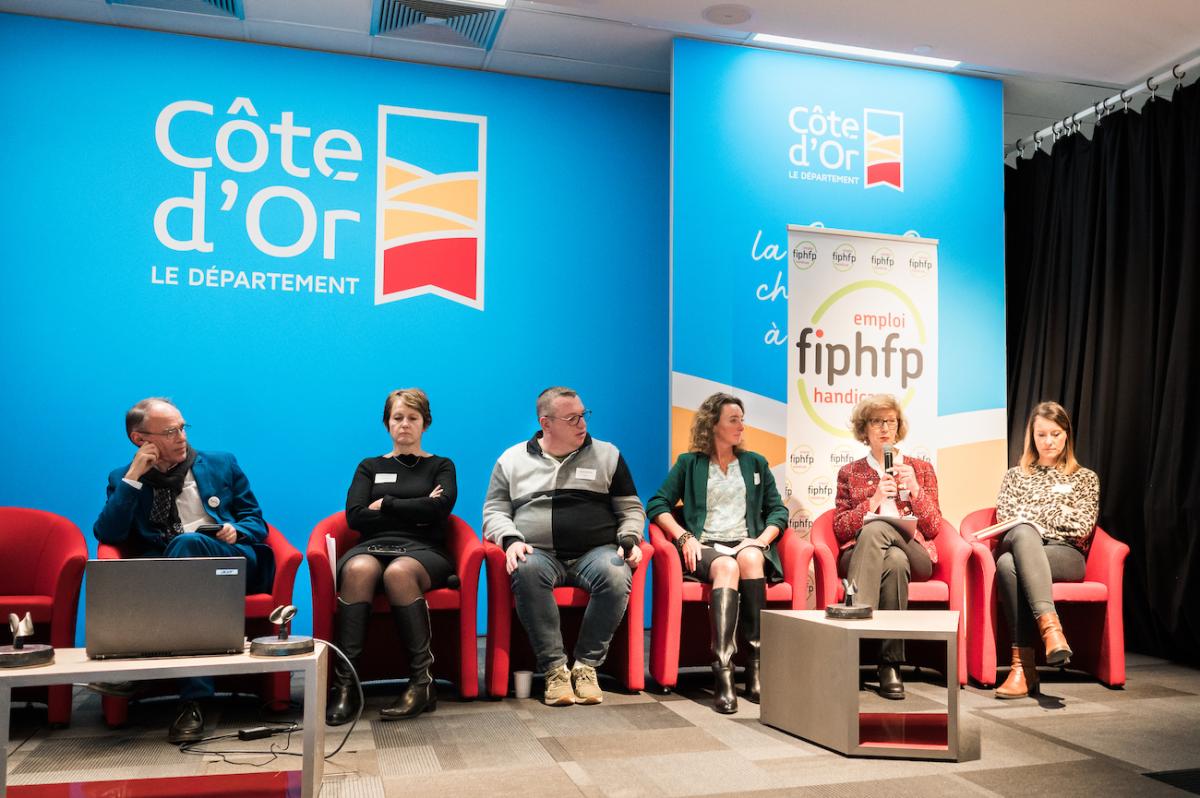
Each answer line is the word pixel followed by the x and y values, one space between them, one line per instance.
pixel 163 607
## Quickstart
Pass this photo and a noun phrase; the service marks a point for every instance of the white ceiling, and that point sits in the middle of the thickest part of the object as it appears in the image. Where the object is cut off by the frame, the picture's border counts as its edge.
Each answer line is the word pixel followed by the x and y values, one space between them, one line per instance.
pixel 1054 57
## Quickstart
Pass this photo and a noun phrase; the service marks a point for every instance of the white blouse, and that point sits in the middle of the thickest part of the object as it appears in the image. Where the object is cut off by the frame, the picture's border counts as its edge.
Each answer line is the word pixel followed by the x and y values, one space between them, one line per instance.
pixel 726 517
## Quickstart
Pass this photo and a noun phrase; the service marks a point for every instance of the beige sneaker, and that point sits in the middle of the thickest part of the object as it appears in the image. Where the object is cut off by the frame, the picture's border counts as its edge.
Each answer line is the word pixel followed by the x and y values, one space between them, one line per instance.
pixel 585 684
pixel 558 688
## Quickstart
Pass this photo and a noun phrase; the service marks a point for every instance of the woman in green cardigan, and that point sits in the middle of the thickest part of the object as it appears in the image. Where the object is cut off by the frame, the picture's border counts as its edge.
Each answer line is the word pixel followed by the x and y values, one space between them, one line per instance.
pixel 733 514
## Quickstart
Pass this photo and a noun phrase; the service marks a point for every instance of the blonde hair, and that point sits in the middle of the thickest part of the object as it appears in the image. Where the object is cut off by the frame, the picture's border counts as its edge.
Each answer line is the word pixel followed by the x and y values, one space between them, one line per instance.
pixel 1056 414
pixel 707 417
pixel 410 397
pixel 868 407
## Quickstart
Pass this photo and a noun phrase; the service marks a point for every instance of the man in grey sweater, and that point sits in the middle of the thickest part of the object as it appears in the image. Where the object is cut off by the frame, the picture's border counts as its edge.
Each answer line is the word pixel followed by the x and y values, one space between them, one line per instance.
pixel 564 508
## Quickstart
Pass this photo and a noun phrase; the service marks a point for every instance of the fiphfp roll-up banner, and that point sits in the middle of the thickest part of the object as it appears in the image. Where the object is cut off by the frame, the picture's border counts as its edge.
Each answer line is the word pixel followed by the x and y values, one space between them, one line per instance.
pixel 866 322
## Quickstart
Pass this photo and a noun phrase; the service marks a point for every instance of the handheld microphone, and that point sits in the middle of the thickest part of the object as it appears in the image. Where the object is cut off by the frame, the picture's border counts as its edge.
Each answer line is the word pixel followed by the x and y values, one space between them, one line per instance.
pixel 887 457
pixel 627 542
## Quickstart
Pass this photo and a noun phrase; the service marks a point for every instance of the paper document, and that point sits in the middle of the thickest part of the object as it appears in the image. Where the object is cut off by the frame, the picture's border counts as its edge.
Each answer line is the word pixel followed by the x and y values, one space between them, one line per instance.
pixel 905 523
pixel 331 552
pixel 995 530
pixel 721 548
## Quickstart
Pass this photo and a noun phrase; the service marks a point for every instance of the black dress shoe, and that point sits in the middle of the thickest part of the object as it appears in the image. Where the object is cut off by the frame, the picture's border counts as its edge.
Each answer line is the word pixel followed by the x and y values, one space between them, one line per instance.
pixel 890 685
pixel 188 726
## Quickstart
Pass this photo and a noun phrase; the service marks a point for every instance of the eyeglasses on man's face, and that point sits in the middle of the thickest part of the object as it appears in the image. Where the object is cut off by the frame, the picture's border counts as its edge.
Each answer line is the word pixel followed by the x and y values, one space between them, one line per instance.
pixel 575 419
pixel 880 423
pixel 169 432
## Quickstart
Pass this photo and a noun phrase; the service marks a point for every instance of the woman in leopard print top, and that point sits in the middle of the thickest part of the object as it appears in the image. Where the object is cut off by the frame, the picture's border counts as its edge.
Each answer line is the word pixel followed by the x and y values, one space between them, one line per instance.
pixel 1057 500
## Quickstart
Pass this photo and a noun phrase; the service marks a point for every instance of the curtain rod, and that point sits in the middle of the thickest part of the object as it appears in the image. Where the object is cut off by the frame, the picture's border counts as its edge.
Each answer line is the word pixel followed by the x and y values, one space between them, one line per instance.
pixel 1071 123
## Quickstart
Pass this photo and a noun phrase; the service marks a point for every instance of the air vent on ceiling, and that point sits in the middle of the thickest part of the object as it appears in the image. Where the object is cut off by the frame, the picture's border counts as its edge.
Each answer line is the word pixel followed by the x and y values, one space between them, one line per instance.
pixel 216 8
pixel 436 22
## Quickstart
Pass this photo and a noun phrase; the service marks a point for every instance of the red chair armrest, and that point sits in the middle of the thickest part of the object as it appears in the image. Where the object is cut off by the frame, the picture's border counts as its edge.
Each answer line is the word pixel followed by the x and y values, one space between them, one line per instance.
pixel 1106 560
pixel 826 575
pixel 464 547
pixel 287 563
pixel 110 551
pixel 795 555
pixel 320 575
pixel 953 553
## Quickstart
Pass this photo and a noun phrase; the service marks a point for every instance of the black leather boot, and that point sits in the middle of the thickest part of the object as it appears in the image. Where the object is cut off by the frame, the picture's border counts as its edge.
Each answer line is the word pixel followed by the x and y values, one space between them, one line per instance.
pixel 349 636
pixel 723 613
pixel 890 684
pixel 412 622
pixel 754 597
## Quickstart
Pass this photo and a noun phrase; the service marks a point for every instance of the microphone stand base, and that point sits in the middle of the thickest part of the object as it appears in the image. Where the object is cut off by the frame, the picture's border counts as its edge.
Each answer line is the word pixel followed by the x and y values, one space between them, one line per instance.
pixel 856 612
pixel 28 656
pixel 274 647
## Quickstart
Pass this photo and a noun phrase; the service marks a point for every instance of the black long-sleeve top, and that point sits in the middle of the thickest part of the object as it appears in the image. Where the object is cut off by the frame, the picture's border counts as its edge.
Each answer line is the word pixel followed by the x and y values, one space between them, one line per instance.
pixel 408 516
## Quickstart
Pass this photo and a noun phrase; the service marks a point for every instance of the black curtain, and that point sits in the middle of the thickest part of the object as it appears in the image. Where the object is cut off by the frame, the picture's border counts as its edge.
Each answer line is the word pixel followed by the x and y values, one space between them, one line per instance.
pixel 1103 297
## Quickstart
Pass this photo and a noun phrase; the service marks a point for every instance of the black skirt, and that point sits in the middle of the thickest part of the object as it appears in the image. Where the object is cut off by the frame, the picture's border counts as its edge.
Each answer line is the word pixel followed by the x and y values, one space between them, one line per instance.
pixel 433 559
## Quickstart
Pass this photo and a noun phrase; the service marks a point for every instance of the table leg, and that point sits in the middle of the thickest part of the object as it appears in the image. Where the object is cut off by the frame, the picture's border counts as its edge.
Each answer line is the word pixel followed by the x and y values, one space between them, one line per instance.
pixel 5 709
pixel 314 726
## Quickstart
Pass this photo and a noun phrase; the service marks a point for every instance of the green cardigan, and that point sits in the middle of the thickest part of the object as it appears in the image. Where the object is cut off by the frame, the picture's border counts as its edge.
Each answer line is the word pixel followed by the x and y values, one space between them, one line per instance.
pixel 688 480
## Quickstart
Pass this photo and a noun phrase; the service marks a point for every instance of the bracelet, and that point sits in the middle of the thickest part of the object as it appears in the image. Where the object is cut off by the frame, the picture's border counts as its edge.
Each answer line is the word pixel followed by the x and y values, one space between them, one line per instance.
pixel 684 538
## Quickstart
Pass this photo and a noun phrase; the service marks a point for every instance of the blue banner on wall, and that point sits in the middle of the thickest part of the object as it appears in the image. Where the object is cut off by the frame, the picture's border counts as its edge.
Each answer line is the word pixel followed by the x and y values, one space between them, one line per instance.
pixel 763 139
pixel 277 238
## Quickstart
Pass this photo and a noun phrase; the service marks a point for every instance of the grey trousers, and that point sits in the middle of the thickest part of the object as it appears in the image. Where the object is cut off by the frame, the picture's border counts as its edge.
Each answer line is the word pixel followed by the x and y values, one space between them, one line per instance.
pixel 1026 567
pixel 881 563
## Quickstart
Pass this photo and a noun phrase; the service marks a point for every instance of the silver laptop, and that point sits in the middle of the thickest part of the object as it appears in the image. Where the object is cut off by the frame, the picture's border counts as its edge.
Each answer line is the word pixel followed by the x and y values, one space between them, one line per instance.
pixel 165 607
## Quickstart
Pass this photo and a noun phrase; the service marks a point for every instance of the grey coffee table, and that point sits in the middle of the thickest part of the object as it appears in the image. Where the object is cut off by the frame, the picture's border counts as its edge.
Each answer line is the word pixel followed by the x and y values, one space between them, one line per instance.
pixel 810 683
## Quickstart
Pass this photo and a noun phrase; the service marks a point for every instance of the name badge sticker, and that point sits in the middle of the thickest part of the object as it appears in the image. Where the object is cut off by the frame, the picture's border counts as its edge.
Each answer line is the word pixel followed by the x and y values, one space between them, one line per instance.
pixel 757 478
pixel 381 478
pixel 1062 488
pixel 585 473
pixel 227 572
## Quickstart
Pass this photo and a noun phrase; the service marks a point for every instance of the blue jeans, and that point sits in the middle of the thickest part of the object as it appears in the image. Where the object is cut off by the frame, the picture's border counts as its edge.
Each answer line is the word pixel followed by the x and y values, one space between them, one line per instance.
pixel 195 544
pixel 602 572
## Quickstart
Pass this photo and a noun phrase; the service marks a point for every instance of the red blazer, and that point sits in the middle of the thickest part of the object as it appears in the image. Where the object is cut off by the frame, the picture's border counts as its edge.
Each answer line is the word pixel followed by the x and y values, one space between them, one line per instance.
pixel 856 485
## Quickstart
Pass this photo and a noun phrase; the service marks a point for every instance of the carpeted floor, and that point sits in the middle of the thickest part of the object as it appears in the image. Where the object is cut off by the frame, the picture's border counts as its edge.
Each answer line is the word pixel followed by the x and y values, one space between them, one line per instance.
pixel 1078 739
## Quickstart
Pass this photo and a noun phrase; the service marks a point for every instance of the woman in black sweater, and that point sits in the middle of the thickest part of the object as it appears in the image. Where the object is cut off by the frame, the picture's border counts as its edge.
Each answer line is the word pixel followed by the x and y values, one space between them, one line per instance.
pixel 400 504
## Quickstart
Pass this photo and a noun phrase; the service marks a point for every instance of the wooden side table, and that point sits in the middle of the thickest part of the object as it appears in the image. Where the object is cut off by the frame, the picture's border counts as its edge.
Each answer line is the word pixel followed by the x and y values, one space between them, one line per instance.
pixel 73 665
pixel 810 683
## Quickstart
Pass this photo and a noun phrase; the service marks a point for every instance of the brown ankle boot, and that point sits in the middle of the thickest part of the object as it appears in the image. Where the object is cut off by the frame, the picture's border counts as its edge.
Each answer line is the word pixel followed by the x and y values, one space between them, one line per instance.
pixel 1057 650
pixel 1022 680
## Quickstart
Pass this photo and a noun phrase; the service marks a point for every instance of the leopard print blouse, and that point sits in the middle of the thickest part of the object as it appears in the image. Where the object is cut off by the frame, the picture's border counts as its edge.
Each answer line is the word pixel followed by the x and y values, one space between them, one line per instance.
pixel 1063 506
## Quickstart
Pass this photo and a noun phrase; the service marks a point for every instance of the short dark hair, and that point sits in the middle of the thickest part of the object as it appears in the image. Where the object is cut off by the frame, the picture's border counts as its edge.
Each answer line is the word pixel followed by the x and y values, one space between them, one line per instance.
pixel 135 415
pixel 546 398
pixel 412 397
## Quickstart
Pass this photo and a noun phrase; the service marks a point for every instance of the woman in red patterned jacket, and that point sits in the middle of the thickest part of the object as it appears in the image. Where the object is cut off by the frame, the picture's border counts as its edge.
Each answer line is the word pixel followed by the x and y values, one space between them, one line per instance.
pixel 878 557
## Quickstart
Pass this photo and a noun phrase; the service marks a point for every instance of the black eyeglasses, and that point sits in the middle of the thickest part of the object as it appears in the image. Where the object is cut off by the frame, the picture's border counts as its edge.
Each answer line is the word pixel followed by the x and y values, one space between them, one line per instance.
pixel 880 423
pixel 169 432
pixel 574 420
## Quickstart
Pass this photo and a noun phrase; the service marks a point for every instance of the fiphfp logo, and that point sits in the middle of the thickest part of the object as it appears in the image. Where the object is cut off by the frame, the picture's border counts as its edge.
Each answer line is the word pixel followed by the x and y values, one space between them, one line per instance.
pixel 430 205
pixel 884 161
pixel 866 337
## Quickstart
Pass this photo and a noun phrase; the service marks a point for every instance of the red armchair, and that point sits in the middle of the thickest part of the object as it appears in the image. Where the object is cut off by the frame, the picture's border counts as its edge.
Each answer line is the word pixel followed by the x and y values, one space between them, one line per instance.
pixel 1090 610
pixel 507 648
pixel 451 610
pixel 276 688
pixel 40 573
pixel 674 597
pixel 946 587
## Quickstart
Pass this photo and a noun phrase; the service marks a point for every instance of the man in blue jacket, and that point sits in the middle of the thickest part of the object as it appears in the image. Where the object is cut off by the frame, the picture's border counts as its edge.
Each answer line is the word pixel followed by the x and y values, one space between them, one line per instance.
pixel 157 502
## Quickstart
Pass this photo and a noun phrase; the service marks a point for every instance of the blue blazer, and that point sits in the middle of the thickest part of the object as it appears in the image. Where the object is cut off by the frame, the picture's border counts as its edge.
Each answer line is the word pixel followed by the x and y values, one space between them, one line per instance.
pixel 125 519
